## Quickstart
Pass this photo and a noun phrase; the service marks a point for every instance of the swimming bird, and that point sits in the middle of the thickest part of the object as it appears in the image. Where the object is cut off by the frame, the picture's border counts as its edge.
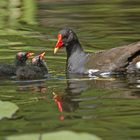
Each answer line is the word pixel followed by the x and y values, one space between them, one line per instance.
pixel 124 59
pixel 20 60
pixel 37 70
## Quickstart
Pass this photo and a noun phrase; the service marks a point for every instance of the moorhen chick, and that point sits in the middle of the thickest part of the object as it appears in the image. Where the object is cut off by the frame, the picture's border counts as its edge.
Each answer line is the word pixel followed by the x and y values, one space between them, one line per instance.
pixel 37 70
pixel 124 59
pixel 20 60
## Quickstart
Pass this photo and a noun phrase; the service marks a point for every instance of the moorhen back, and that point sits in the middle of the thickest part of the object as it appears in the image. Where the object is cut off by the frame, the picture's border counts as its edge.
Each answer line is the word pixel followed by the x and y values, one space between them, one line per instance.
pixel 125 59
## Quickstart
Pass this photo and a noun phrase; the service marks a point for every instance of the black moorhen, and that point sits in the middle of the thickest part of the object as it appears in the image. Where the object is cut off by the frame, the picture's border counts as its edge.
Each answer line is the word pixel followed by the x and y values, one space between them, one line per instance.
pixel 38 69
pixel 124 59
pixel 20 60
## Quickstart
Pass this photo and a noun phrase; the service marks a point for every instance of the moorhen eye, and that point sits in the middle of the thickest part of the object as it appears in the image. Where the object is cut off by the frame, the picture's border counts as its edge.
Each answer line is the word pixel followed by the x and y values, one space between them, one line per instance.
pixel 119 60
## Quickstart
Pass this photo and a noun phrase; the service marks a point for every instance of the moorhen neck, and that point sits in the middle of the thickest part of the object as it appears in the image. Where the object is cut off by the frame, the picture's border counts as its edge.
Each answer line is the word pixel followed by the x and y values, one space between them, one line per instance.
pixel 37 70
pixel 20 60
pixel 125 59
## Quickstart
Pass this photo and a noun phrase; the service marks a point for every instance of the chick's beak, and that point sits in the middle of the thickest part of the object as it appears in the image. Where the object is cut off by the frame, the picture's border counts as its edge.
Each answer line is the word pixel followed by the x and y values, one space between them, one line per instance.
pixel 59 43
pixel 42 55
pixel 29 54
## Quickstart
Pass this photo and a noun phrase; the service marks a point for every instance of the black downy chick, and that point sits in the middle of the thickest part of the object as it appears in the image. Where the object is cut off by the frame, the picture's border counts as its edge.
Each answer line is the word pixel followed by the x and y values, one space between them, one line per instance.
pixel 20 60
pixel 37 70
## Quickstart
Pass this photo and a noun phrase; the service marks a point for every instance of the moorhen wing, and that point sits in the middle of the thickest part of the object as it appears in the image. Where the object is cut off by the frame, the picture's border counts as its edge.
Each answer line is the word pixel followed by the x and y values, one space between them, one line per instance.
pixel 20 60
pixel 37 70
pixel 124 59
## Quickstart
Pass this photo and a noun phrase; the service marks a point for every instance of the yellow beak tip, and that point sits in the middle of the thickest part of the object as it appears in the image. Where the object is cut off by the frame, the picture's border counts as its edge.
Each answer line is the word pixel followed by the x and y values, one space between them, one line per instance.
pixel 55 50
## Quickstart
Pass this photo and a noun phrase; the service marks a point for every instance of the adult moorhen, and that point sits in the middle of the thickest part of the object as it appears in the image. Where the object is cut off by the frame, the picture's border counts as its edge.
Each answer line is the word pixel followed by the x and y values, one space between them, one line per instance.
pixel 20 60
pixel 38 69
pixel 124 59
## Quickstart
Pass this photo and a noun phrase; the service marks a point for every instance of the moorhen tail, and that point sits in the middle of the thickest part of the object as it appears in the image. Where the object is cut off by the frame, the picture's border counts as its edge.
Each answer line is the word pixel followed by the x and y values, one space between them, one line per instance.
pixel 20 60
pixel 124 59
pixel 37 70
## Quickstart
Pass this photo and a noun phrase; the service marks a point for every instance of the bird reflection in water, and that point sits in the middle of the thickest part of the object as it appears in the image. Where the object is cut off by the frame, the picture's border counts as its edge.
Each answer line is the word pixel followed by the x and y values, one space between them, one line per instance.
pixel 58 101
pixel 126 86
pixel 70 98
pixel 33 85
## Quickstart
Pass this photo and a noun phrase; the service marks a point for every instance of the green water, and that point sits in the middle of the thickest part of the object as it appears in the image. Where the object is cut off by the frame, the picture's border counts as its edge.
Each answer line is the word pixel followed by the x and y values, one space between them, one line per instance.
pixel 108 108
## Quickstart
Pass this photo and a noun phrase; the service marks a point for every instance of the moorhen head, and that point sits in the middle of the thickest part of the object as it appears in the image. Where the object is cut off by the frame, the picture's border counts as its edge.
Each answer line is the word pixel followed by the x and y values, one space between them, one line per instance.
pixel 67 38
pixel 20 60
pixel 113 61
pixel 37 70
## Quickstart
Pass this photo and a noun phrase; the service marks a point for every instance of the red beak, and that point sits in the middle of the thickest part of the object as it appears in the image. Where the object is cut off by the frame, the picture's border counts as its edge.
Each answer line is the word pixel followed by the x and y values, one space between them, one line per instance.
pixel 59 43
pixel 29 54
pixel 42 55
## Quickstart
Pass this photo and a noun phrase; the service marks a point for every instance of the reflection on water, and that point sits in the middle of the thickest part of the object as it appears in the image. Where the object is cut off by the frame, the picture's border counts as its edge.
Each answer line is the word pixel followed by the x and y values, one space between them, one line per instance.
pixel 77 85
pixel 107 107
pixel 33 85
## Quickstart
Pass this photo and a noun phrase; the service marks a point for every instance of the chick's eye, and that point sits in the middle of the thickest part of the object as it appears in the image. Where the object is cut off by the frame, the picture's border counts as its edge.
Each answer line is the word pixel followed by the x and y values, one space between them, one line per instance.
pixel 20 57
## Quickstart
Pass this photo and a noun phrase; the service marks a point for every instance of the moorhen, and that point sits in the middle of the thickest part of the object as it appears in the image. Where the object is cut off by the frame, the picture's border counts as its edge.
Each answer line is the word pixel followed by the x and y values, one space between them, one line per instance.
pixel 38 69
pixel 124 59
pixel 20 60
